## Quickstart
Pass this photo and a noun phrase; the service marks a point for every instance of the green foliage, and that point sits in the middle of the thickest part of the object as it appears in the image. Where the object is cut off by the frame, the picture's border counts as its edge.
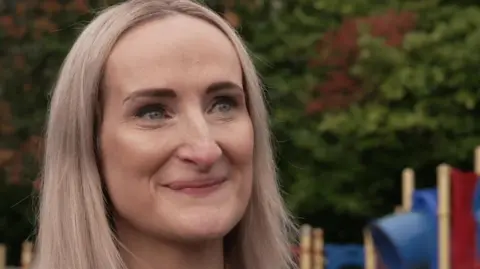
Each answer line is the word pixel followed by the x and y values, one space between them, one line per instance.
pixel 316 167
pixel 35 37
pixel 427 84
pixel 419 100
pixel 357 91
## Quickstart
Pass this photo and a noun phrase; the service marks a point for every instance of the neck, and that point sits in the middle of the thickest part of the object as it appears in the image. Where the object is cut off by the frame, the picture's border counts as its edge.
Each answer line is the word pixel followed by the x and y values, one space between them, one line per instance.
pixel 143 251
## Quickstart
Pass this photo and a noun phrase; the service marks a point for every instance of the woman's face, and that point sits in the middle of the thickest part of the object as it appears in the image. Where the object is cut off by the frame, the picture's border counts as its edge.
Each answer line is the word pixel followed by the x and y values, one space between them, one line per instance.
pixel 176 137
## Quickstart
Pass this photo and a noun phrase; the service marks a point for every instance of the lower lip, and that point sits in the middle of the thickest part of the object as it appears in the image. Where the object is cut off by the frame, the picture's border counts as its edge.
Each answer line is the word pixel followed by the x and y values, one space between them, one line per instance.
pixel 202 190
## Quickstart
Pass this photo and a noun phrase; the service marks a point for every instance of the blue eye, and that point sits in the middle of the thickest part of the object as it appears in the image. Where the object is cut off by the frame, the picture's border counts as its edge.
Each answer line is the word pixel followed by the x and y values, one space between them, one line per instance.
pixel 151 112
pixel 224 104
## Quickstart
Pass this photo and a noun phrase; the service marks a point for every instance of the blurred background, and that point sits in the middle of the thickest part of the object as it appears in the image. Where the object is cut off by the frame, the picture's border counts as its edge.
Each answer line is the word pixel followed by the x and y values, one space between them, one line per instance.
pixel 357 91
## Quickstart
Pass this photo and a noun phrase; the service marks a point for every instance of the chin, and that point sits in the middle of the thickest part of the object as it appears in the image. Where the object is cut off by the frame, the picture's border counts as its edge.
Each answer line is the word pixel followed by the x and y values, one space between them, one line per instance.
pixel 205 226
pixel 201 234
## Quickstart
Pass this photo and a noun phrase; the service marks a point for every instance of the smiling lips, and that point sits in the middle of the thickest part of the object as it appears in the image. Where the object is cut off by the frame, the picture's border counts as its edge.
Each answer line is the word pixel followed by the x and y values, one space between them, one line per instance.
pixel 195 187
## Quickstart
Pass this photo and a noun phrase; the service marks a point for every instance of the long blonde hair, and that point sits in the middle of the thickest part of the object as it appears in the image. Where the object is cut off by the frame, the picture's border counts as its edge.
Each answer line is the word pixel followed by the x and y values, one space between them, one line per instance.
pixel 74 230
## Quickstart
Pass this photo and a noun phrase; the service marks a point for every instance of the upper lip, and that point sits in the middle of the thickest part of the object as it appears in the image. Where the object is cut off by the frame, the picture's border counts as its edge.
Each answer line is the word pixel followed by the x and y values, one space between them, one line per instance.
pixel 200 183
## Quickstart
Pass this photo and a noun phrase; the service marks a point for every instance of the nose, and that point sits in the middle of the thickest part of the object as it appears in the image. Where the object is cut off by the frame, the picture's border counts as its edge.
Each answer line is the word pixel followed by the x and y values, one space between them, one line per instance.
pixel 200 148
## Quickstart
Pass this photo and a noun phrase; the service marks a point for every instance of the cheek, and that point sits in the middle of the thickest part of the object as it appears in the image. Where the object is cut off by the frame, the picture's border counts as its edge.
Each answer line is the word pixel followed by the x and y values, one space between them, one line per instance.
pixel 238 144
pixel 133 153
pixel 245 143
pixel 130 158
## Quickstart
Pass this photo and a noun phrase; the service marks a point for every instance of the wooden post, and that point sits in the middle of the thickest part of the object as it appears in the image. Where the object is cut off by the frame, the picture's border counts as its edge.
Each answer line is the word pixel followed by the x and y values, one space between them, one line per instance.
pixel 369 250
pixel 398 209
pixel 318 249
pixel 305 247
pixel 3 256
pixel 443 211
pixel 27 249
pixel 408 187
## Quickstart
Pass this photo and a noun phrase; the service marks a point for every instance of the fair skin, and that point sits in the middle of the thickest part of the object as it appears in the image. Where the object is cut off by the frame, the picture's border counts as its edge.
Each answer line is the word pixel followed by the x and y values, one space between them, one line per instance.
pixel 176 143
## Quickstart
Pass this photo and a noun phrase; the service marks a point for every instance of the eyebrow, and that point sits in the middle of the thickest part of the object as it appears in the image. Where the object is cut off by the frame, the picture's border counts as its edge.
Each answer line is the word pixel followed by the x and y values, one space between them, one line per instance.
pixel 170 93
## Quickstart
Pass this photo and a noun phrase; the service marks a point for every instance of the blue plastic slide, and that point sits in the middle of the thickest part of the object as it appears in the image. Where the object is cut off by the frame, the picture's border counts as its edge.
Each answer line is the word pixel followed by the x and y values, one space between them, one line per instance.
pixel 409 240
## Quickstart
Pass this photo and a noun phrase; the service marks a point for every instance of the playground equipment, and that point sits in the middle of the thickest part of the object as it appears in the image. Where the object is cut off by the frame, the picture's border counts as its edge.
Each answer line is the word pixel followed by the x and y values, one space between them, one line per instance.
pixel 436 229
pixel 313 253
pixel 26 256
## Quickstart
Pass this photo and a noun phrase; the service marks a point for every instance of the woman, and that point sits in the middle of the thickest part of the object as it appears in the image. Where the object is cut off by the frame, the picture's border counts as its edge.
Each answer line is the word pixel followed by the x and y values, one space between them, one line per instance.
pixel 157 151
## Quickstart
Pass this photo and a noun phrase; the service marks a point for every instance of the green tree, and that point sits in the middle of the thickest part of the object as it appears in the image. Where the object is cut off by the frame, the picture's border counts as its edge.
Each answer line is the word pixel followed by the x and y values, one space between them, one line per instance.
pixel 358 91
pixel 35 37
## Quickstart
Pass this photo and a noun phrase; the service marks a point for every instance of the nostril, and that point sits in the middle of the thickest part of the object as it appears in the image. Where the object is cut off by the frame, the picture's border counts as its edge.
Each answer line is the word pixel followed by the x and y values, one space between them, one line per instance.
pixel 202 154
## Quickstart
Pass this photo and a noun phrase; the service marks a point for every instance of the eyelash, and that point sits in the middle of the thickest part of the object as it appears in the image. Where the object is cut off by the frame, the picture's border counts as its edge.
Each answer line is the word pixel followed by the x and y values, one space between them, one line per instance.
pixel 143 110
pixel 156 107
pixel 231 101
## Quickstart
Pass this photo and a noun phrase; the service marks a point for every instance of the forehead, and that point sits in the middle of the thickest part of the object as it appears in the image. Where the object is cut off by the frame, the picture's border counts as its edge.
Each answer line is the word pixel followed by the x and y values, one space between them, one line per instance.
pixel 177 52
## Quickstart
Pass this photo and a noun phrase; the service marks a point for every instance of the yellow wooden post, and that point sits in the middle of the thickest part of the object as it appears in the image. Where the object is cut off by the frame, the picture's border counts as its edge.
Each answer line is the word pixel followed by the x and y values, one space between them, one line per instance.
pixel 26 258
pixel 398 209
pixel 369 250
pixel 3 256
pixel 306 247
pixel 318 249
pixel 443 185
pixel 408 187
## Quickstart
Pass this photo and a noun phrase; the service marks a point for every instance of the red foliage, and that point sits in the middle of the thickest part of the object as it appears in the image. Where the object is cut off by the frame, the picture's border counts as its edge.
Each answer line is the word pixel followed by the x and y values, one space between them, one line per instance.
pixel 339 50
pixel 51 6
pixel 33 146
pixel 37 183
pixel 27 87
pixel 79 6
pixel 19 32
pixel 23 24
pixel 6 21
pixel 19 61
pixel 36 18
pixel 21 8
pixel 44 24
pixel 232 18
